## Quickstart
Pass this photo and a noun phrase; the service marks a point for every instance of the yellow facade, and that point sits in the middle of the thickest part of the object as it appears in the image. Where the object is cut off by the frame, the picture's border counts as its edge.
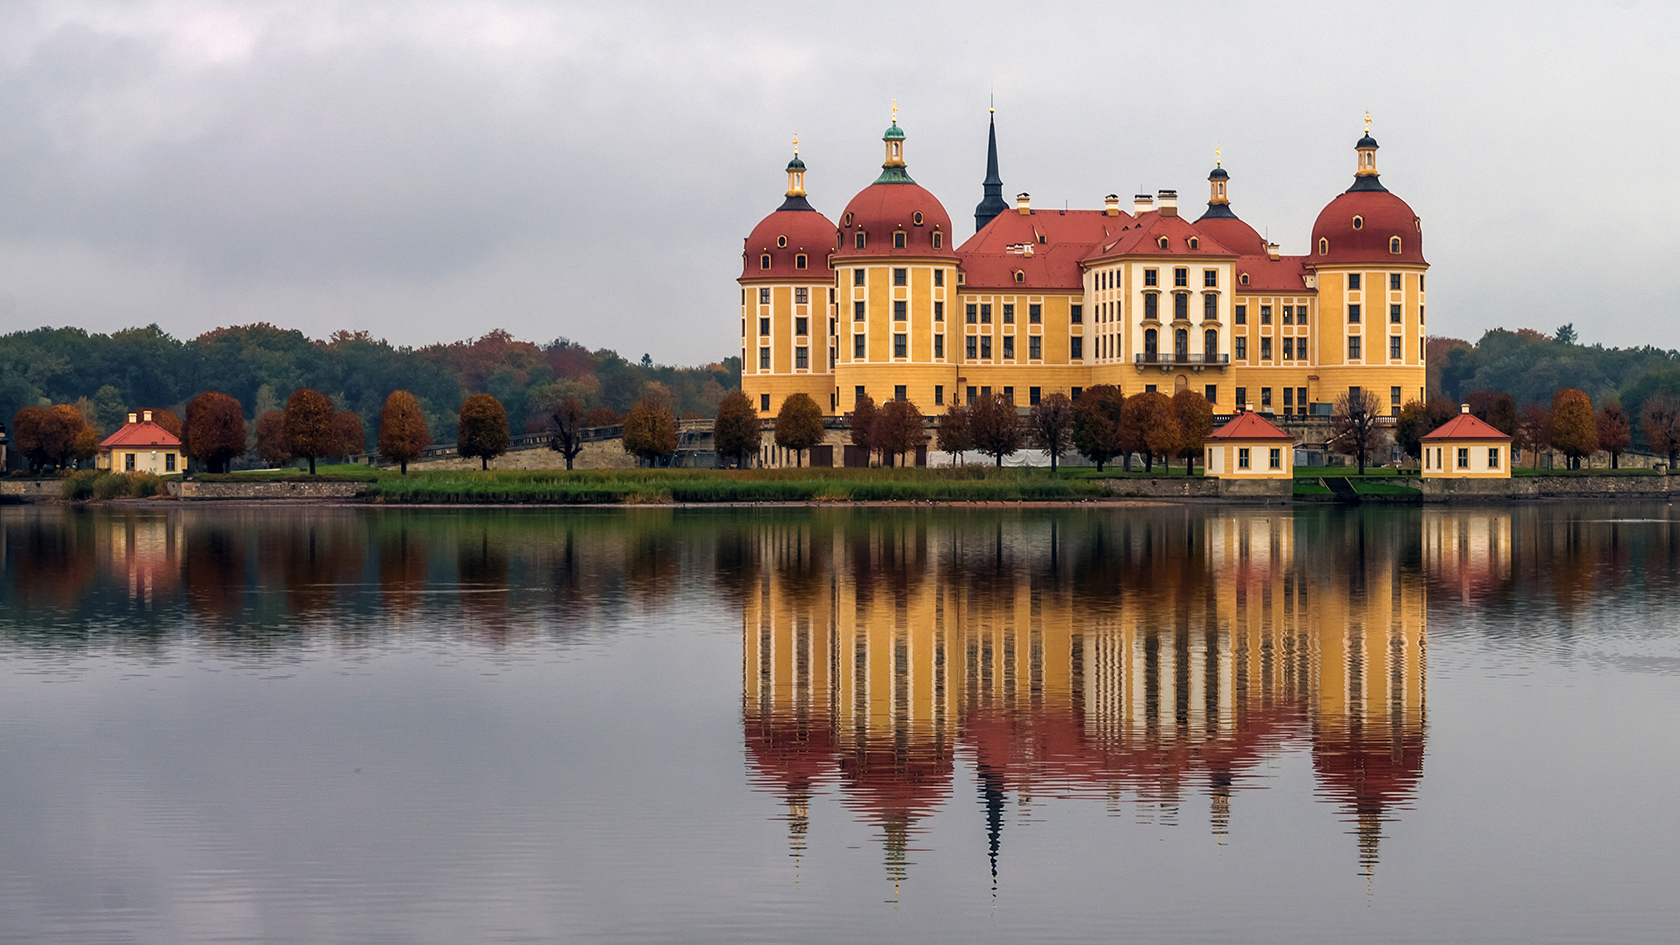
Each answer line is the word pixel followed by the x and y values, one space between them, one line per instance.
pixel 1250 459
pixel 1468 459
pixel 786 341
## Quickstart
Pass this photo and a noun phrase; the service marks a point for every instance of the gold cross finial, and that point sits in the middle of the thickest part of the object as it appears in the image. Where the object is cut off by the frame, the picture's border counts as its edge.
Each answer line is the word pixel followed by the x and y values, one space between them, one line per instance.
pixel 1367 121
pixel 1216 157
pixel 796 144
pixel 895 109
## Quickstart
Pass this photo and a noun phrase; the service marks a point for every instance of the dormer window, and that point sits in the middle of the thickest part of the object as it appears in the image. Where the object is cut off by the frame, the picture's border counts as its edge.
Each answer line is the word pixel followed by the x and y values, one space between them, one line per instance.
pixel 1394 245
pixel 898 239
pixel 859 239
pixel 938 239
pixel 1020 276
pixel 916 218
pixel 1323 246
pixel 1195 243
pixel 781 242
pixel 847 221
pixel 799 261
pixel 1243 278
pixel 764 261
pixel 1359 223
pixel 1162 242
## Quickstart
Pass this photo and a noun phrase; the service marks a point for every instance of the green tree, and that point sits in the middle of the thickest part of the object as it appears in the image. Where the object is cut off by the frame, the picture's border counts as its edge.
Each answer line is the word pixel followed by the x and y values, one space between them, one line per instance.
pixel 1050 421
pixel 402 429
pixel 1096 423
pixel 799 425
pixel 1573 428
pixel 309 425
pixel 736 433
pixel 215 430
pixel 482 429
pixel 650 429
pixel 1565 334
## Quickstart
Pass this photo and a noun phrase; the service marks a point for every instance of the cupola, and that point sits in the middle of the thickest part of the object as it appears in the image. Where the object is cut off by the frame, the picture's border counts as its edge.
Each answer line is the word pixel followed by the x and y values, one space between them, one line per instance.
pixel 1365 176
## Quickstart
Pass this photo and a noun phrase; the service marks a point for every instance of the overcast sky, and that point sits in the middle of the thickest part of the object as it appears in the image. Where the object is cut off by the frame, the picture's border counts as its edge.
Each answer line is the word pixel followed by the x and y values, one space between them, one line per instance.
pixel 431 170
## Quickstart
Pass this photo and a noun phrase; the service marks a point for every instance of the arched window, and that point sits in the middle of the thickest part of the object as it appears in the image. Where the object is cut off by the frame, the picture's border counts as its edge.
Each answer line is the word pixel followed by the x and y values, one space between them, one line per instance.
pixel 938 240
pixel 764 261
pixel 1020 276
pixel 1210 345
pixel 898 240
pixel 1394 245
pixel 1181 345
pixel 799 261
pixel 1181 305
pixel 1195 243
pixel 1162 242
pixel 859 239
pixel 1243 278
pixel 1323 245
pixel 1151 343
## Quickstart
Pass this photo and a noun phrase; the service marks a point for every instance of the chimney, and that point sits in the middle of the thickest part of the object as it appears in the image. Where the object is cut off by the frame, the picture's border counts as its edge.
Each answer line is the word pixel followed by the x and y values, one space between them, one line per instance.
pixel 1463 408
pixel 1272 251
pixel 1142 203
pixel 1169 203
pixel 146 416
pixel 133 418
pixel 1023 203
pixel 1111 205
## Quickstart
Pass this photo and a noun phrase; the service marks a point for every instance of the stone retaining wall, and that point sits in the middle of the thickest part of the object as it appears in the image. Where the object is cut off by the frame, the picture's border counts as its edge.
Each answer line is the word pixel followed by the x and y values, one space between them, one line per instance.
pixel 325 489
pixel 33 490
pixel 1197 487
pixel 1548 487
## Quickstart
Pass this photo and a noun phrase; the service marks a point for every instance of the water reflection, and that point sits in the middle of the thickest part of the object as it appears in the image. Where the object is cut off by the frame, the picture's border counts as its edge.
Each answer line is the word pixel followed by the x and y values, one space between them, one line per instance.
pixel 1127 659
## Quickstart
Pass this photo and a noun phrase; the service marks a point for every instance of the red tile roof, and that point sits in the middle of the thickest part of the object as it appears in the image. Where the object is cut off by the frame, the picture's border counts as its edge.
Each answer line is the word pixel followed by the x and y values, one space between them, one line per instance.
pixel 1466 427
pixel 1265 274
pixel 1249 425
pixel 1143 238
pixel 1068 237
pixel 142 435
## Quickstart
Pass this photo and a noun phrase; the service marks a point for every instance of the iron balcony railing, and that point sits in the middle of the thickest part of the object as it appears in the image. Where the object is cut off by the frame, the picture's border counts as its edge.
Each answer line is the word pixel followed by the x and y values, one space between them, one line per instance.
pixel 1168 357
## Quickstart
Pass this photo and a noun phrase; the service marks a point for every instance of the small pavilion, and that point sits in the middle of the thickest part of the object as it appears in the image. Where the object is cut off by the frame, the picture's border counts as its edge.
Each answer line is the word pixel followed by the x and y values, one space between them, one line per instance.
pixel 1250 447
pixel 1466 448
pixel 140 445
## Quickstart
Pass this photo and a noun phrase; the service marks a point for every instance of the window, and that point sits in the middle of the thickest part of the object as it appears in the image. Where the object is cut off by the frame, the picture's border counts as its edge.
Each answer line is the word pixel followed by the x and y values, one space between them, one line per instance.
pixel 1009 394
pixel 1394 245
pixel 1265 349
pixel 802 296
pixel 1210 307
pixel 1241 348
pixel 986 347
pixel 1162 242
pixel 1151 306
pixel 1353 282
pixel 1359 222
pixel 1300 314
pixel 1464 457
pixel 857 346
pixel 1288 398
pixel 1242 457
pixel 1149 388
pixel 764 403
pixel 1181 277
pixel 1288 314
pixel 1151 344
pixel 1073 394
pixel 764 326
pixel 1211 392
pixel 1394 347
pixel 1420 282
pixel 916 218
pixel 1009 313
pixel 1151 277
pixel 799 261
pixel 858 240
pixel 764 296
pixel 1194 242
pixel 938 395
pixel 1394 282
pixel 939 311
pixel 743 296
pixel 801 326
pixel 743 328
pixel 1035 313
pixel 169 462
pixel 764 261
pixel 985 314
pixel 857 277
pixel 1035 347
pixel 901 277
pixel 939 346
pixel 1077 351
pixel 858 394
pixel 1241 316
pixel 898 240
pixel 1009 347
pixel 973 393
pixel 857 311
pixel 1210 278
pixel 972 341
pixel 899 392
pixel 1301 395
pixel 1265 314
pixel 128 462
pixel 1210 345
pixel 1289 349
pixel 939 277
pixel 1323 245
pixel 1181 306
pixel 1265 396
pixel 971 314
pixel 831 326
pixel 1493 457
pixel 1032 396
pixel 939 243
pixel 1353 348
pixel 1394 314
pixel 801 357
pixel 1276 459
pixel 1242 397
pixel 901 310
pixel 1394 396
pixel 1353 314
pixel 764 359
pixel 900 345
pixel 1420 314
pixel 1076 314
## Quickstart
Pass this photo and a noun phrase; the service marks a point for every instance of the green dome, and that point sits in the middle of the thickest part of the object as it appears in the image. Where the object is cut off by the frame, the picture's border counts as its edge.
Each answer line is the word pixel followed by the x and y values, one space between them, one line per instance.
pixel 796 164
pixel 893 132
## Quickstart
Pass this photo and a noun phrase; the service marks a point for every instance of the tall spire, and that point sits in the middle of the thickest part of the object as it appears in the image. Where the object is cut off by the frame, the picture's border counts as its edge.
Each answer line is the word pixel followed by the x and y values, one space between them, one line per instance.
pixel 991 202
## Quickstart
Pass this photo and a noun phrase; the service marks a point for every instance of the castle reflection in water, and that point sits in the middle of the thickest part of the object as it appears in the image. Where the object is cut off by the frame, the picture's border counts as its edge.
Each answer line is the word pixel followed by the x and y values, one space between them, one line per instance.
pixel 1133 660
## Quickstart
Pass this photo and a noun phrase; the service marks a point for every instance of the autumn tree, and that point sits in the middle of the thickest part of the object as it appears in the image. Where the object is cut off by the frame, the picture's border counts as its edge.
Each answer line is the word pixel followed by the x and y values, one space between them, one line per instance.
pixel 1574 428
pixel 995 426
pixel 1050 423
pixel 566 429
pixel 799 425
pixel 1128 431
pixel 1659 420
pixel 28 429
pixel 64 428
pixel 273 446
pixel 1195 422
pixel 1096 423
pixel 402 429
pixel 86 446
pixel 309 425
pixel 1615 434
pixel 862 424
pixel 1354 426
pixel 1411 424
pixel 898 430
pixel 352 437
pixel 215 430
pixel 601 417
pixel 952 435
pixel 1503 415
pixel 736 433
pixel 167 419
pixel 650 429
pixel 483 429
pixel 1157 426
pixel 1534 428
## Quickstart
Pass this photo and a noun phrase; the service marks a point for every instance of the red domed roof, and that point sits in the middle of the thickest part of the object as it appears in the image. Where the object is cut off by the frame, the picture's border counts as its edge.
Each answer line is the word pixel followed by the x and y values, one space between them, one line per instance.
pixel 1233 234
pixel 1359 226
pixel 882 209
pixel 794 230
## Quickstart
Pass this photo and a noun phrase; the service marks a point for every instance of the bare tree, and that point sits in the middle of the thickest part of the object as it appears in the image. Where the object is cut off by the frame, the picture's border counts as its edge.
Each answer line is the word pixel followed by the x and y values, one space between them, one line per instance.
pixel 567 436
pixel 1354 427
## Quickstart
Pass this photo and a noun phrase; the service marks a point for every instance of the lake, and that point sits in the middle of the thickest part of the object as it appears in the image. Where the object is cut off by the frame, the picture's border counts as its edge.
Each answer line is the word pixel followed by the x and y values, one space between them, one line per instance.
pixel 1163 724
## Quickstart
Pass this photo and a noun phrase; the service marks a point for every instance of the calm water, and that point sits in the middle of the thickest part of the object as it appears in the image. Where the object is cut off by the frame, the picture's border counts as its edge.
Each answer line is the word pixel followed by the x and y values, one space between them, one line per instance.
pixel 1177 724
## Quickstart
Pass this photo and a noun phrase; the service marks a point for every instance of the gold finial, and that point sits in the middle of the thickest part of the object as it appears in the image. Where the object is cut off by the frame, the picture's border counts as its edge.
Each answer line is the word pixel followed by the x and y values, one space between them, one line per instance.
pixel 895 109
pixel 796 144
pixel 1367 121
pixel 1216 157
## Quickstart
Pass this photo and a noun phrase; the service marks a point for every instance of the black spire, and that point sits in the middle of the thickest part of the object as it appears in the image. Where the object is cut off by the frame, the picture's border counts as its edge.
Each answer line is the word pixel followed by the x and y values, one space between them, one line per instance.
pixel 992 203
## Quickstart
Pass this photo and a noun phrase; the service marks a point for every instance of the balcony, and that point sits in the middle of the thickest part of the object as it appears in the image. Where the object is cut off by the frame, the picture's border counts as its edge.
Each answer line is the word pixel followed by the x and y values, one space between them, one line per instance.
pixel 1166 361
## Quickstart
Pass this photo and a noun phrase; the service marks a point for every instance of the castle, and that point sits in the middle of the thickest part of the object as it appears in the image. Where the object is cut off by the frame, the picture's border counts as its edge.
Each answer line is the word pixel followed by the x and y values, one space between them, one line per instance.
pixel 1040 301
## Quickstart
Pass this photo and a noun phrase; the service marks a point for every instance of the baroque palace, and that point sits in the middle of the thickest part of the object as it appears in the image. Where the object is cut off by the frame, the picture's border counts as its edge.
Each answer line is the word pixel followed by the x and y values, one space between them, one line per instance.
pixel 1042 301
